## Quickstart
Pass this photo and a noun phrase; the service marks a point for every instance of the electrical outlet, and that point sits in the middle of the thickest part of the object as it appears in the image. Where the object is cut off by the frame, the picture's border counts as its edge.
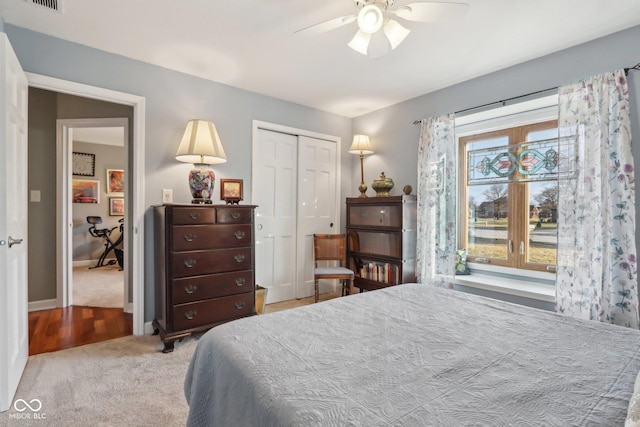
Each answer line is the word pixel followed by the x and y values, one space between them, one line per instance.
pixel 167 195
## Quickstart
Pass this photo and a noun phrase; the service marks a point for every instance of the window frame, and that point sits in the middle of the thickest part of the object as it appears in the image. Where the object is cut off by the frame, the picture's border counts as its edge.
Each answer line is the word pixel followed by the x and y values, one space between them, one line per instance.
pixel 516 130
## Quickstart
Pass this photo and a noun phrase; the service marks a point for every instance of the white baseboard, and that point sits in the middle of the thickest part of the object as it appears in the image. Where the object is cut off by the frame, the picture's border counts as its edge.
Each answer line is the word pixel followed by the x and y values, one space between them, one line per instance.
pixel 148 328
pixel 46 304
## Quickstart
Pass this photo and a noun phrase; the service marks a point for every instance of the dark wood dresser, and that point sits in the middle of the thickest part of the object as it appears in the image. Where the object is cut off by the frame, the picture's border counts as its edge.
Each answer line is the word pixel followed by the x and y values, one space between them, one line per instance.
pixel 204 268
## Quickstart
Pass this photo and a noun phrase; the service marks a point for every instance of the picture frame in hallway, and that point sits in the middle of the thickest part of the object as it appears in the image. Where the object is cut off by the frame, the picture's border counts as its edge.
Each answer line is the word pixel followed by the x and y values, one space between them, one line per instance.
pixel 85 191
pixel 83 164
pixel 115 182
pixel 116 206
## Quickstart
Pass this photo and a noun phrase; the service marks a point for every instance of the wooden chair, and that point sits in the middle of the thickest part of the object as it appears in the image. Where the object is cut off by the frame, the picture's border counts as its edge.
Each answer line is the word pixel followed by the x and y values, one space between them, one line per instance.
pixel 331 247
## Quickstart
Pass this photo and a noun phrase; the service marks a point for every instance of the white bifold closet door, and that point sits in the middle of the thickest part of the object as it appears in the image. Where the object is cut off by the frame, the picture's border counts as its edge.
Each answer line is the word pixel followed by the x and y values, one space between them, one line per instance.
pixel 294 185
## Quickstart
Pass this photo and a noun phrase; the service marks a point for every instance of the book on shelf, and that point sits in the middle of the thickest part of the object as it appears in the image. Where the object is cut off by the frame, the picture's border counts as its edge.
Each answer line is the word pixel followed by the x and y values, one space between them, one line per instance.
pixel 381 272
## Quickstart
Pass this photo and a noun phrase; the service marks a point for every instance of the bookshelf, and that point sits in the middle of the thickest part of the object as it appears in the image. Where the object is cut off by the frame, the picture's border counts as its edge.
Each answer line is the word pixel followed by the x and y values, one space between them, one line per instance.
pixel 381 240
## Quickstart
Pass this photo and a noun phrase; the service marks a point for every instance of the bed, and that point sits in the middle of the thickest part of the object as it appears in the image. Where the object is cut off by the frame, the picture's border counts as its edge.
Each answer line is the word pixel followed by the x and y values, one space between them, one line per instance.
pixel 413 355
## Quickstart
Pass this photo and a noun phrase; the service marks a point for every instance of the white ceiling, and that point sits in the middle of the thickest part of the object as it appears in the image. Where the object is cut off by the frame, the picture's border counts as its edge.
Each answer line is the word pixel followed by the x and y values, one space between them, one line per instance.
pixel 251 44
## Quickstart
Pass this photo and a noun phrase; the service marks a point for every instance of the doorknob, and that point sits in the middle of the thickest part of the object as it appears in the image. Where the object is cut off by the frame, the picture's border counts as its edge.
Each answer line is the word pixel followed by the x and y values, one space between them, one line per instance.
pixel 14 241
pixel 331 225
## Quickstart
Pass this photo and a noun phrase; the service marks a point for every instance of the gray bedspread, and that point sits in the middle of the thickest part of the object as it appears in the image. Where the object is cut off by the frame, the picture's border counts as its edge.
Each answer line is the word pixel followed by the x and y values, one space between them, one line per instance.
pixel 412 355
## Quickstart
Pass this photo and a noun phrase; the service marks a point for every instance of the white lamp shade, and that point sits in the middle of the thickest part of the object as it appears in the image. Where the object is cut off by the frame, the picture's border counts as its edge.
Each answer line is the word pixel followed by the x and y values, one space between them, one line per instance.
pixel 360 145
pixel 395 33
pixel 201 144
pixel 360 42
pixel 370 19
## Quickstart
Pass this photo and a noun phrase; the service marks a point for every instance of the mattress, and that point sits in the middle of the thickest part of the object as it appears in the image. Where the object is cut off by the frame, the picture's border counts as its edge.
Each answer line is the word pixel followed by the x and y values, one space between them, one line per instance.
pixel 412 355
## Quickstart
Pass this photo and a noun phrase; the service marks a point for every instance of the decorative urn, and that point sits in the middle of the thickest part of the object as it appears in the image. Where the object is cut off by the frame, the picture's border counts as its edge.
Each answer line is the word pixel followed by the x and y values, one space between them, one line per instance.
pixel 382 185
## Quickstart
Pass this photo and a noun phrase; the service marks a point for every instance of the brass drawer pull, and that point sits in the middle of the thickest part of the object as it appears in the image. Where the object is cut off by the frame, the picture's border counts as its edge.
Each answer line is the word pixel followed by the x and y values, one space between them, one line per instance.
pixel 239 305
pixel 190 314
pixel 240 281
pixel 189 262
pixel 240 234
pixel 194 215
pixel 235 214
pixel 190 237
pixel 239 258
pixel 189 289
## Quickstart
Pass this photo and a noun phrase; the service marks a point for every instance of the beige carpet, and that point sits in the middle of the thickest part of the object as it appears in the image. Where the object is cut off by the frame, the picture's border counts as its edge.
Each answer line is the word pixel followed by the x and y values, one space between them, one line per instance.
pixel 123 382
pixel 98 287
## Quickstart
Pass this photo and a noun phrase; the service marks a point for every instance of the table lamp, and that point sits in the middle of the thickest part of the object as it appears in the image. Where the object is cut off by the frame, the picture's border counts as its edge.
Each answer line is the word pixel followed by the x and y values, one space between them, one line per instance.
pixel 201 146
pixel 361 146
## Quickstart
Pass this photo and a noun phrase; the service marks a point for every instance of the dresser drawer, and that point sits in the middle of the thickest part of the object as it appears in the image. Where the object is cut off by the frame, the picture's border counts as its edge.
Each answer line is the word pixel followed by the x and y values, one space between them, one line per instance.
pixel 234 215
pixel 194 237
pixel 193 215
pixel 193 315
pixel 198 288
pixel 196 263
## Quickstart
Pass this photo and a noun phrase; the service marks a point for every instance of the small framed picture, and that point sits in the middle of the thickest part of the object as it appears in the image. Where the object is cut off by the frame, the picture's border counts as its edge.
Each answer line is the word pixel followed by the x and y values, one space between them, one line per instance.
pixel 85 191
pixel 231 190
pixel 116 206
pixel 83 164
pixel 115 182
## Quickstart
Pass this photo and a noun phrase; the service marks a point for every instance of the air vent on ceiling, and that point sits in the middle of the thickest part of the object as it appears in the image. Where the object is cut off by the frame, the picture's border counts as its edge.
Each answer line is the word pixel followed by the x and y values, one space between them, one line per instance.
pixel 49 4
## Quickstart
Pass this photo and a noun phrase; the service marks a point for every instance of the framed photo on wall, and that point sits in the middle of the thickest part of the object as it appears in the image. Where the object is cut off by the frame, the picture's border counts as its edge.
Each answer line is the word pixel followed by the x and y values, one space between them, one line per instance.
pixel 83 164
pixel 85 191
pixel 231 190
pixel 115 182
pixel 116 206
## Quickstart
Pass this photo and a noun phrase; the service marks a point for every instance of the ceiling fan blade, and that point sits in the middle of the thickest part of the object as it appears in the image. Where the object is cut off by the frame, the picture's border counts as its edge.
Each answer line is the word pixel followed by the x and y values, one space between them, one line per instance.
pixel 431 11
pixel 329 25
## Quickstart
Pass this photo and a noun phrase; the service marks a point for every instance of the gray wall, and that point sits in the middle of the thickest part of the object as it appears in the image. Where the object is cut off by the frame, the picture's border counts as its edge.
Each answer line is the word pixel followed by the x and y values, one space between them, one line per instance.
pixel 395 138
pixel 85 246
pixel 171 100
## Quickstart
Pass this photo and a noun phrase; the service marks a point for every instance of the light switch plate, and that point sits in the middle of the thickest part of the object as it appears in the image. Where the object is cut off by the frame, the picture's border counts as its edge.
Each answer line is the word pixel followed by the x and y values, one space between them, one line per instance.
pixel 167 195
pixel 35 195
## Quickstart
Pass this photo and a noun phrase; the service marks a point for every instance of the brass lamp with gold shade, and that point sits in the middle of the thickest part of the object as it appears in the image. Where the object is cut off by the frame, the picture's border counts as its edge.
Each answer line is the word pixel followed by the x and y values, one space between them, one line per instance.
pixel 201 146
pixel 362 147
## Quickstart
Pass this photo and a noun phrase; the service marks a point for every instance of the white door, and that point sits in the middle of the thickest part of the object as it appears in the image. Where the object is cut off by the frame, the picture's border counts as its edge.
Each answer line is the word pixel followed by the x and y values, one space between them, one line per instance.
pixel 14 345
pixel 274 191
pixel 294 186
pixel 316 205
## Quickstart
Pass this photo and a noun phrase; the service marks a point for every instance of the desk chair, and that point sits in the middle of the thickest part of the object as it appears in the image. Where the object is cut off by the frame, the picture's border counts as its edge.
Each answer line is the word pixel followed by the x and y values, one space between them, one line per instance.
pixel 331 247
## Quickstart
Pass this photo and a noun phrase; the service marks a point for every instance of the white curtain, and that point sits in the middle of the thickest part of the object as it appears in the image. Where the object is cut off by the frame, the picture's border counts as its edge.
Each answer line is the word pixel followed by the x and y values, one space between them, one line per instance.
pixel 597 270
pixel 437 199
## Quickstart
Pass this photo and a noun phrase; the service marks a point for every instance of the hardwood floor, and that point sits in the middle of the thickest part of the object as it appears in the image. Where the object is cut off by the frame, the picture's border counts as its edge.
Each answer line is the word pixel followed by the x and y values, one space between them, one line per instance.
pixel 61 328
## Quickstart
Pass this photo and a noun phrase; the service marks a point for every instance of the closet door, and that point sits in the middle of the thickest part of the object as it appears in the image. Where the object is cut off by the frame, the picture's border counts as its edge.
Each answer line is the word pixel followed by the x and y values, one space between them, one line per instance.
pixel 274 191
pixel 294 186
pixel 316 205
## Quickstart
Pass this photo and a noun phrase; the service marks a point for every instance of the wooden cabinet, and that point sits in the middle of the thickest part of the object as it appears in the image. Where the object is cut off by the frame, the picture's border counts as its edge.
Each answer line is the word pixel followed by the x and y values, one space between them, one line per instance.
pixel 381 240
pixel 204 268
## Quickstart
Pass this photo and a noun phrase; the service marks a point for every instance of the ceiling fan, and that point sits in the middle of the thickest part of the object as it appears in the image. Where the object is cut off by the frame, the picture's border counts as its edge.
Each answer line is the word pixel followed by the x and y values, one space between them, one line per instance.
pixel 375 15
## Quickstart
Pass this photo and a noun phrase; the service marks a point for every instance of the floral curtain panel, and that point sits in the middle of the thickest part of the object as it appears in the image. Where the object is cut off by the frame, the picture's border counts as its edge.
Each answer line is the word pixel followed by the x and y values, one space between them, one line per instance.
pixel 437 159
pixel 597 271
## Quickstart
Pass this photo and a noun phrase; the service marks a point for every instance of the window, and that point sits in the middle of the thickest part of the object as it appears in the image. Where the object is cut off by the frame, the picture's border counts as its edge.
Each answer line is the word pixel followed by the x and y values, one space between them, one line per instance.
pixel 508 196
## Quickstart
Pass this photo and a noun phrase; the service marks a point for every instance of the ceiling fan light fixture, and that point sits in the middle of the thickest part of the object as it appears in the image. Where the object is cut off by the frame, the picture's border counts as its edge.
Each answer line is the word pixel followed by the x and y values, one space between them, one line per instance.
pixel 395 33
pixel 360 42
pixel 370 19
